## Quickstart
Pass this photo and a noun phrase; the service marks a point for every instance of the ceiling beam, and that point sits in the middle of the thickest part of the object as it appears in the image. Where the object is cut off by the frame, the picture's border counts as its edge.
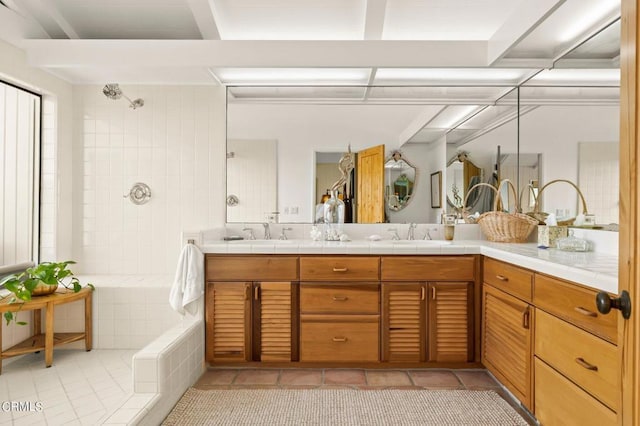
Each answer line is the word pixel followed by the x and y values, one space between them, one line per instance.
pixel 423 118
pixel 520 24
pixel 16 24
pixel 50 17
pixel 256 53
pixel 204 13
pixel 374 20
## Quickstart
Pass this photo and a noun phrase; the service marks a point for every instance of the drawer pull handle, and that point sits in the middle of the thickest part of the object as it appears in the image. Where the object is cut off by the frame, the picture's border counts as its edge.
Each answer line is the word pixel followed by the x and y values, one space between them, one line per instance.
pixel 339 339
pixel 340 298
pixel 340 269
pixel 585 312
pixel 586 365
pixel 502 278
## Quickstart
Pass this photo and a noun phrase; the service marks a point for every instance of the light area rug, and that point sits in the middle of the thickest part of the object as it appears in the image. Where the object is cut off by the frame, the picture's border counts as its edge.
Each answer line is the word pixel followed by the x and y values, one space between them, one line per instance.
pixel 342 407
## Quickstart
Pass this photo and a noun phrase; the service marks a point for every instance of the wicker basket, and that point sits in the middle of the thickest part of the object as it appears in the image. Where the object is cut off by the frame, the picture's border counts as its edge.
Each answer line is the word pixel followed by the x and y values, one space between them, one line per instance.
pixel 542 216
pixel 465 211
pixel 506 227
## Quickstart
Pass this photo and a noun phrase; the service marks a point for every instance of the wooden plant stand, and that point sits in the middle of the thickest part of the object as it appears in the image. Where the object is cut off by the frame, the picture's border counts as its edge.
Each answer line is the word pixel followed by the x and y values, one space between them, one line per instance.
pixel 47 340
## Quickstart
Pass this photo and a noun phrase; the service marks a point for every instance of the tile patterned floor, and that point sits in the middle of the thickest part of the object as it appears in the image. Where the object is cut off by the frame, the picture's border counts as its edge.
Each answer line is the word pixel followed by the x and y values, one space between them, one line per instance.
pixel 436 379
pixel 80 388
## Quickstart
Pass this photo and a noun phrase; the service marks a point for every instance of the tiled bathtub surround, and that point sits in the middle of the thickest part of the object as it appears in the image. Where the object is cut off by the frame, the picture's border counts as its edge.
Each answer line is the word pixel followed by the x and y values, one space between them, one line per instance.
pixel 129 311
pixel 162 372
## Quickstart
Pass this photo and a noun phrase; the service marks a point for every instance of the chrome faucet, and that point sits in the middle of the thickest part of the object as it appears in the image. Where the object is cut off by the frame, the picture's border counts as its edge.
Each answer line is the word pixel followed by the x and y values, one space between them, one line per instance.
pixel 283 236
pixel 252 235
pixel 395 235
pixel 267 231
pixel 411 232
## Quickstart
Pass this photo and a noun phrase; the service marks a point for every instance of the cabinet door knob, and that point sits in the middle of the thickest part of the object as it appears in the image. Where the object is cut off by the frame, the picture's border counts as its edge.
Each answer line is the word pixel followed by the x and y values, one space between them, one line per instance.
pixel 623 302
pixel 339 339
pixel 340 269
pixel 586 365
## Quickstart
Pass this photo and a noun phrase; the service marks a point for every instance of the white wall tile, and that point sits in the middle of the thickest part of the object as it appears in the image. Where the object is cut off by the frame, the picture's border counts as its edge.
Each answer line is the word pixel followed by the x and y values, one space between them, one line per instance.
pixel 167 144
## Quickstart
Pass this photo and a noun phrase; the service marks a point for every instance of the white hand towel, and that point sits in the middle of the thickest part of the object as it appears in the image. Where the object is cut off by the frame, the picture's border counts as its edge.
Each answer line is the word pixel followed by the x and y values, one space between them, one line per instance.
pixel 188 284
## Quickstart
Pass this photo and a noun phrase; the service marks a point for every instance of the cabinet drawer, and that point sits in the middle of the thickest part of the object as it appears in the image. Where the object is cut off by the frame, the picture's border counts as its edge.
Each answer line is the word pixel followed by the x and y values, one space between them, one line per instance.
pixel 582 357
pixel 340 298
pixel 251 268
pixel 340 339
pixel 574 304
pixel 339 268
pixel 431 268
pixel 560 402
pixel 509 278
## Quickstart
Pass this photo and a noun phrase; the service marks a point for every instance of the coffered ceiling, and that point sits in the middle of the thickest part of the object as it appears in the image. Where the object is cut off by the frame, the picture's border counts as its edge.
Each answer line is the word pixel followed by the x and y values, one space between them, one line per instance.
pixel 332 41
pixel 463 55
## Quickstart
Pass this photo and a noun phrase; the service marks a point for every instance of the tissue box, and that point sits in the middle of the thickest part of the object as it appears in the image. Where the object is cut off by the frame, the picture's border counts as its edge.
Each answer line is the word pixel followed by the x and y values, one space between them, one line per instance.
pixel 549 235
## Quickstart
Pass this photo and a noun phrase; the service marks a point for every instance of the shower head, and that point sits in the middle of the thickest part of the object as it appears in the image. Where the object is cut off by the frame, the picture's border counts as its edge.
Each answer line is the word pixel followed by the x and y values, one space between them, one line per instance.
pixel 113 91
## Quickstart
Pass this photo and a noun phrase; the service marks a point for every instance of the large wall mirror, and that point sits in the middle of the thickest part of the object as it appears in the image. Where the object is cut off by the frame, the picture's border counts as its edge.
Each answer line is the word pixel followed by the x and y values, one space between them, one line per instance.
pixel 401 134
pixel 544 125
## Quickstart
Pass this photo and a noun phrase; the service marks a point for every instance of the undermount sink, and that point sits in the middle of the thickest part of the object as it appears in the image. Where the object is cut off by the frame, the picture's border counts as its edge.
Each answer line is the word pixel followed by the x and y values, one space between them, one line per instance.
pixel 262 242
pixel 418 243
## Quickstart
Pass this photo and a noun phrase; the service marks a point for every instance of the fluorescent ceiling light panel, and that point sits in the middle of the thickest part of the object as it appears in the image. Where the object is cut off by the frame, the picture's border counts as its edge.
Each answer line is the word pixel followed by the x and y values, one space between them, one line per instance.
pixel 451 75
pixel 588 17
pixel 452 115
pixel 258 76
pixel 577 76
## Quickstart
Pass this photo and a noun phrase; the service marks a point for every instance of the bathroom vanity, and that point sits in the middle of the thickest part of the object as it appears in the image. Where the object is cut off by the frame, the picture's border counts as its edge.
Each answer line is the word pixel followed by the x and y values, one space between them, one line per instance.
pixel 341 309
pixel 527 315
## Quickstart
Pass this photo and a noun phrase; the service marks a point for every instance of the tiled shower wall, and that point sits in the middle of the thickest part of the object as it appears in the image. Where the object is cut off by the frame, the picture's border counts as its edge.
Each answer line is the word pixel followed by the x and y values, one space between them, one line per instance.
pixel 599 172
pixel 176 145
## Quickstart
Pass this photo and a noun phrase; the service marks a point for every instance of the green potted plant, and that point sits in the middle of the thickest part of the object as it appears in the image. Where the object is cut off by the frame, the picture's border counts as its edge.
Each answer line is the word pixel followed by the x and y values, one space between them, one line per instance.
pixel 39 280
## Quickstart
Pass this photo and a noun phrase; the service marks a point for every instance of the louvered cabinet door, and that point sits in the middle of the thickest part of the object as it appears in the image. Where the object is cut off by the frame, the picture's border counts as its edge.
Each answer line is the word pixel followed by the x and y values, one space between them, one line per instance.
pixel 273 312
pixel 404 322
pixel 450 325
pixel 507 341
pixel 228 319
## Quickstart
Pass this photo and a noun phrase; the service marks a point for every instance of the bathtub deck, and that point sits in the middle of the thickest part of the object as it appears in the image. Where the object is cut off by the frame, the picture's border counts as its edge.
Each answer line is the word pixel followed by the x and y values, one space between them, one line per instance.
pixel 79 388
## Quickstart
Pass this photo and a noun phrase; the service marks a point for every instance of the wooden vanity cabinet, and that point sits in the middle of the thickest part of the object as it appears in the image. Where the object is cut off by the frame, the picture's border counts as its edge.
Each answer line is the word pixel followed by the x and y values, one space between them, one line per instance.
pixel 507 327
pixel 229 329
pixel 404 321
pixel 575 355
pixel 249 318
pixel 339 309
pixel 428 308
pixel 450 322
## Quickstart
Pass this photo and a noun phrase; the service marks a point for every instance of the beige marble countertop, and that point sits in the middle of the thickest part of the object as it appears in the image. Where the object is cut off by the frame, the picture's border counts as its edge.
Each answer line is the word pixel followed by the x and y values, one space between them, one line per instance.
pixel 592 269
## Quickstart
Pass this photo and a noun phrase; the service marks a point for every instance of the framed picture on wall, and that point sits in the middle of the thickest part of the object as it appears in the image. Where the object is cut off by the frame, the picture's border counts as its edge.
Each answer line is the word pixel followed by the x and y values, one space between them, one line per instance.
pixel 436 190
